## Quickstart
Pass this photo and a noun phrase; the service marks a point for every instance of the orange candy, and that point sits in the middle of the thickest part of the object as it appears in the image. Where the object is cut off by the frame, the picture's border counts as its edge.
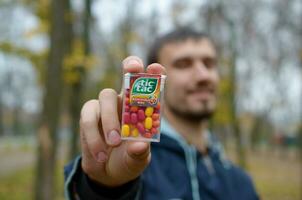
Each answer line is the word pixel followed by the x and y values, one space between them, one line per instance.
pixel 134 109
pixel 148 135
pixel 155 116
pixel 156 123
pixel 154 131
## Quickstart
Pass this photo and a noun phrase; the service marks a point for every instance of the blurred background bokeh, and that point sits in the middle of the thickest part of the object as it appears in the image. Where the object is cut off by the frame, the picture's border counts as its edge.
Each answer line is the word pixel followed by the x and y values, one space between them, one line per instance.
pixel 57 54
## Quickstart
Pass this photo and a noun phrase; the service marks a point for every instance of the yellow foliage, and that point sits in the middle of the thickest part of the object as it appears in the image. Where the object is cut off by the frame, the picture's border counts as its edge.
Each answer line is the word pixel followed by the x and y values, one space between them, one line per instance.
pixel 72 77
pixel 43 9
pixel 133 37
pixel 224 87
pixel 76 63
pixel 223 113
pixel 68 16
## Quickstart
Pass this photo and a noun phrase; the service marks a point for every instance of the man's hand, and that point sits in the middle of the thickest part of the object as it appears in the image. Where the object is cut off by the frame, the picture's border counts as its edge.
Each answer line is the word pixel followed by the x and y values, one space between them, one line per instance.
pixel 105 158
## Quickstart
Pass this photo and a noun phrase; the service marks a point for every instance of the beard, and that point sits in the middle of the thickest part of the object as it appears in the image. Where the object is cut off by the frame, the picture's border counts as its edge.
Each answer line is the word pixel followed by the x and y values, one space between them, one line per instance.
pixel 192 115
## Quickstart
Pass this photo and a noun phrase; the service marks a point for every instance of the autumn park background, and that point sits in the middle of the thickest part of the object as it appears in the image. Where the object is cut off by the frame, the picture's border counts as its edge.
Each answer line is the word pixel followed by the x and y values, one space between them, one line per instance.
pixel 56 54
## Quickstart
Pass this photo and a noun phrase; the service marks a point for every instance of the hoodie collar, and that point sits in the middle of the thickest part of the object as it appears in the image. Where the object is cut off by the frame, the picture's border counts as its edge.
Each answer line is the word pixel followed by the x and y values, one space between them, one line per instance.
pixel 214 146
pixel 168 130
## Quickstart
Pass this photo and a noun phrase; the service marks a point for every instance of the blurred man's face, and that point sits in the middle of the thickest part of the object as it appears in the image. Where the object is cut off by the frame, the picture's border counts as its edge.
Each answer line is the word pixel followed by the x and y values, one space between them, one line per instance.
pixel 192 78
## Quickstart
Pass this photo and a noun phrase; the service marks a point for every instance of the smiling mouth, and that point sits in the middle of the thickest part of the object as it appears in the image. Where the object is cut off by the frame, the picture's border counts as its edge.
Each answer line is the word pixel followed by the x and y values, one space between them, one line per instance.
pixel 201 90
pixel 202 93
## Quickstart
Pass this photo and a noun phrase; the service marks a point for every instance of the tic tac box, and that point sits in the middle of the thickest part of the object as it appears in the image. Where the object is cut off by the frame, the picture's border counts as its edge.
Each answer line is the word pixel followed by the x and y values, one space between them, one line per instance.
pixel 142 105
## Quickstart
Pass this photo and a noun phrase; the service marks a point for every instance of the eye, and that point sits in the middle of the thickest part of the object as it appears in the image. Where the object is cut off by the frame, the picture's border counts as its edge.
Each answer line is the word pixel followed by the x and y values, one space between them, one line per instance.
pixel 210 63
pixel 183 63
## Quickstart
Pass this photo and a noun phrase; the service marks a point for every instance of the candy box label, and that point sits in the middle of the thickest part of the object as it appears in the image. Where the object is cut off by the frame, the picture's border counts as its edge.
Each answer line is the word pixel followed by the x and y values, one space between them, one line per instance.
pixel 145 91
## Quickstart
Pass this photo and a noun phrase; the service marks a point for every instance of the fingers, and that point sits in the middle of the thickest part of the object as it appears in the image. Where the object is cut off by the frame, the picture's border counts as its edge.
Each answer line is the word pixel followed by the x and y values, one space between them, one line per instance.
pixel 133 64
pixel 109 116
pixel 91 140
pixel 138 156
pixel 156 68
pixel 138 150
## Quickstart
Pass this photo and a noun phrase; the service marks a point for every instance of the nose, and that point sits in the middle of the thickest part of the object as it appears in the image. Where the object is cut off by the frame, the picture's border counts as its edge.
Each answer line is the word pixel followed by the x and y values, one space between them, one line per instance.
pixel 201 72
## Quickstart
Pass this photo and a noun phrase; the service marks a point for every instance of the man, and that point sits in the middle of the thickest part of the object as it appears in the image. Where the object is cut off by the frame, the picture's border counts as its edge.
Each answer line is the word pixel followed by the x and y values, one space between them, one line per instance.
pixel 187 163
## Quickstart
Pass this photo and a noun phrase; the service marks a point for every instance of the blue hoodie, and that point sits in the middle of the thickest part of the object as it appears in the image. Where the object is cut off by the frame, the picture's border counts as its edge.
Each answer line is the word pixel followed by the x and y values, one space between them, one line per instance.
pixel 177 171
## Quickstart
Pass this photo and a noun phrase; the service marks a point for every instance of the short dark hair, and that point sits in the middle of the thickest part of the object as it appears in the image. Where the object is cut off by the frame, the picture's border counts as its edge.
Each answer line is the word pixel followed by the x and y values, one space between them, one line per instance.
pixel 177 35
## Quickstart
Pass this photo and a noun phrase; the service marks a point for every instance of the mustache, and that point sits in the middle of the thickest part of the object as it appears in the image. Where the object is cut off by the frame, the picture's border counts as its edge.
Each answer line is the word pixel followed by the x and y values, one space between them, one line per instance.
pixel 202 88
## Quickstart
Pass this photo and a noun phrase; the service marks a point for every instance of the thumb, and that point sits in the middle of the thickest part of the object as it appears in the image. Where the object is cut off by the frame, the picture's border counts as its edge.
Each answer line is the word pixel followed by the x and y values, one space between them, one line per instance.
pixel 138 156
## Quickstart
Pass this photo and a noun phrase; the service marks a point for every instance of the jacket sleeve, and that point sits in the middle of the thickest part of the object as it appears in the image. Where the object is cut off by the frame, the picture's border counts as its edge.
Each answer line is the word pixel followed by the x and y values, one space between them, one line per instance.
pixel 78 186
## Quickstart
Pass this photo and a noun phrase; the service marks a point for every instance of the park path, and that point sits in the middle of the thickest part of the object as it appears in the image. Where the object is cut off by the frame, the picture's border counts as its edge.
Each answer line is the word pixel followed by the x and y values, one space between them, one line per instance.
pixel 20 153
pixel 12 162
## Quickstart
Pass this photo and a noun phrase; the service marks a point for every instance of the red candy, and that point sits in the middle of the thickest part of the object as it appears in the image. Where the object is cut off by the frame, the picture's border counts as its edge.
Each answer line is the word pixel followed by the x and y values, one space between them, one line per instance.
pixel 141 115
pixel 133 118
pixel 126 117
pixel 140 126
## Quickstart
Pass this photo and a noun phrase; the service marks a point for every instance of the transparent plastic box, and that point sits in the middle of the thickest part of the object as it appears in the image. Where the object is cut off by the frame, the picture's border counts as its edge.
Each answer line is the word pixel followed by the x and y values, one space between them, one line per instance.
pixel 142 105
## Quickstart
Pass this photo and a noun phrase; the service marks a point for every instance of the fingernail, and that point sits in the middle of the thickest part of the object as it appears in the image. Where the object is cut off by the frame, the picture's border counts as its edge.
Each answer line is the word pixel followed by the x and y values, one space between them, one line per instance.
pixel 114 137
pixel 133 62
pixel 102 157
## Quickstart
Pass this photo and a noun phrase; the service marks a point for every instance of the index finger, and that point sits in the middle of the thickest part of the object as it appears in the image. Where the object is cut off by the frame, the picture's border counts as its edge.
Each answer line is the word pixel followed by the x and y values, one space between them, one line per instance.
pixel 156 68
pixel 133 64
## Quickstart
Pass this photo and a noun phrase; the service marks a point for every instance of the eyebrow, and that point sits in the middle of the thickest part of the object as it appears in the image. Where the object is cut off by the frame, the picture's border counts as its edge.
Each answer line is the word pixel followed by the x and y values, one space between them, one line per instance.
pixel 181 58
pixel 213 58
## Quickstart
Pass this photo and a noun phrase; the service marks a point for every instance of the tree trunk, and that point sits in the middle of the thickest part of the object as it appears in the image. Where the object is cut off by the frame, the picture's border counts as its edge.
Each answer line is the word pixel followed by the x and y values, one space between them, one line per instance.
pixel 47 133
pixel 75 108
pixel 240 151
pixel 77 88
pixel 256 133
pixel 300 126
pixel 1 117
pixel 16 126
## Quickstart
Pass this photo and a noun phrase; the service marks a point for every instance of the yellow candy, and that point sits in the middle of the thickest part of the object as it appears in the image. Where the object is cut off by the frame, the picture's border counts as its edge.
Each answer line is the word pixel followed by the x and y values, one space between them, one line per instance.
pixel 134 132
pixel 125 130
pixel 149 111
pixel 148 123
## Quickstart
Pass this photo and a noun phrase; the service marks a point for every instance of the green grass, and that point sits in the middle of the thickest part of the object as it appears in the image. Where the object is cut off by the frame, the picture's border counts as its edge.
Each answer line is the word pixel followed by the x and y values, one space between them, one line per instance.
pixel 20 185
pixel 277 175
pixel 276 178
pixel 17 186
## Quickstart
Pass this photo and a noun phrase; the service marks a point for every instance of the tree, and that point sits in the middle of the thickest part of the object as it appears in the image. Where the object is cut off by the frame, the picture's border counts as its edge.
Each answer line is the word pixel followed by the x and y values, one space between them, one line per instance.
pixel 47 134
pixel 78 63
pixel 1 114
pixel 222 27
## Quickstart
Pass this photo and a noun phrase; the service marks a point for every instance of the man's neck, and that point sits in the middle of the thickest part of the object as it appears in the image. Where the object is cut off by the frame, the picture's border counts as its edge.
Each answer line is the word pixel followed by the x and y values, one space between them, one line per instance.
pixel 192 131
